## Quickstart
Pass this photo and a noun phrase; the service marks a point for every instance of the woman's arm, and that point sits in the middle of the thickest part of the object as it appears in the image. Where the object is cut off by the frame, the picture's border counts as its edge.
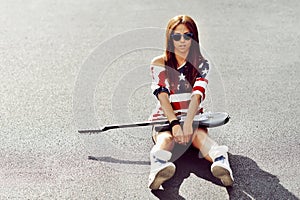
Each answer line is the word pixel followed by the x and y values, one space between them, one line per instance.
pixel 177 132
pixel 161 91
pixel 188 122
pixel 193 109
pixel 198 95
pixel 166 106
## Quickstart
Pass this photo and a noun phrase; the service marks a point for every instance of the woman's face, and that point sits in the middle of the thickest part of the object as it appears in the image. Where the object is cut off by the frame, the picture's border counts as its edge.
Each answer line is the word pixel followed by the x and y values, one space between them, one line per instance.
pixel 182 46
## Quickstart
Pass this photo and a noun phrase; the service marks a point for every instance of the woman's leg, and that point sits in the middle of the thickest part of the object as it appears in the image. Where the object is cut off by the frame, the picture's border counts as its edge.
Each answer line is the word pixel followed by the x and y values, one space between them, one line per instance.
pixel 214 153
pixel 160 154
pixel 203 142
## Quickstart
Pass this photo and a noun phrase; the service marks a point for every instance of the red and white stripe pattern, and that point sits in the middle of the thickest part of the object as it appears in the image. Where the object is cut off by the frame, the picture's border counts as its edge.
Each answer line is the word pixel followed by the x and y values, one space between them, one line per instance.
pixel 200 86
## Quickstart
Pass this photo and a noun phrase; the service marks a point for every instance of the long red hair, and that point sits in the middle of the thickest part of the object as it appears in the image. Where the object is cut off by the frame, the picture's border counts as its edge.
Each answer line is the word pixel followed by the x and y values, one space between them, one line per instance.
pixel 194 57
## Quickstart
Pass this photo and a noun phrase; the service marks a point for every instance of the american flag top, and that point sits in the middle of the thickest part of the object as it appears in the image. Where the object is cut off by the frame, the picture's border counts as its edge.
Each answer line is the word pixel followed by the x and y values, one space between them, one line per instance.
pixel 206 119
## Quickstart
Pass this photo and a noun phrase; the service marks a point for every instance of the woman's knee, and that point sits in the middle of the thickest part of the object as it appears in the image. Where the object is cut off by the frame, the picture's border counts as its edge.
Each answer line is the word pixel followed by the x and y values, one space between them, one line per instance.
pixel 165 141
pixel 164 137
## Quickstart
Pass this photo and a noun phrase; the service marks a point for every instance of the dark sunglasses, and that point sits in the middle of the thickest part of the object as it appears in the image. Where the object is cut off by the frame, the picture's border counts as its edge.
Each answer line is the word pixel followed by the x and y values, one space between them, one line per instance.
pixel 177 36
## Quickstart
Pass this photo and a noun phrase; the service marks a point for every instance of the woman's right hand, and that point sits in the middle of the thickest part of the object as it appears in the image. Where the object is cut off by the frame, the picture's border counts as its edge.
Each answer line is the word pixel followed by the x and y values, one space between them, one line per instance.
pixel 178 134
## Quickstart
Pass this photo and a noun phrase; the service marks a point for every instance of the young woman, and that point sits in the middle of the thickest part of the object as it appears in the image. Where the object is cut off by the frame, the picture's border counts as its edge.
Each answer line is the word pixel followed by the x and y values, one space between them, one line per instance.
pixel 179 81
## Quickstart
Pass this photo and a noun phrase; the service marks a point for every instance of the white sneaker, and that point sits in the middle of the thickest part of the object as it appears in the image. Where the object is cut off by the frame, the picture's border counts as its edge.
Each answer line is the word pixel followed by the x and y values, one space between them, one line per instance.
pixel 220 167
pixel 161 169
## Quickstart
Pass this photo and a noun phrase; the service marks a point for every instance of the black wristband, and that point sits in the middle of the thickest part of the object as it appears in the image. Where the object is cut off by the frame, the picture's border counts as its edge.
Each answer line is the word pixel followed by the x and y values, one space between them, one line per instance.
pixel 174 122
pixel 160 90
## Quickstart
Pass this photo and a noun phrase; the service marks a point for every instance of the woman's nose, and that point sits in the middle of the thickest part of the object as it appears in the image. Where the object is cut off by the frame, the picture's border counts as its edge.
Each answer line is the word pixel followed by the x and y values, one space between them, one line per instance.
pixel 182 38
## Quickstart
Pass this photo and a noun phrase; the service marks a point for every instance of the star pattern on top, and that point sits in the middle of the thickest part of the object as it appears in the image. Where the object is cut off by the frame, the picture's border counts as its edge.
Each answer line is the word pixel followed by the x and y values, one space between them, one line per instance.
pixel 181 77
pixel 204 69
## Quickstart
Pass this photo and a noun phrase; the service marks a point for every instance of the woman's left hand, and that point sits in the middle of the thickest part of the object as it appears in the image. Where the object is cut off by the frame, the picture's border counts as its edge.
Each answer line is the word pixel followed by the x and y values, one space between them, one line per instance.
pixel 187 132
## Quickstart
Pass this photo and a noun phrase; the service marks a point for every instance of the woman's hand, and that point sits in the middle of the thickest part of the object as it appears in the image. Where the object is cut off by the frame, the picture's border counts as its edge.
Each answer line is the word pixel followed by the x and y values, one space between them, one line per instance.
pixel 187 131
pixel 180 136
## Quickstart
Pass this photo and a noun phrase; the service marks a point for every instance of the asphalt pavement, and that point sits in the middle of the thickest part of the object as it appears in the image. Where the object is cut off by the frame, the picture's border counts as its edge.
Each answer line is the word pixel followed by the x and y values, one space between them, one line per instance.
pixel 69 65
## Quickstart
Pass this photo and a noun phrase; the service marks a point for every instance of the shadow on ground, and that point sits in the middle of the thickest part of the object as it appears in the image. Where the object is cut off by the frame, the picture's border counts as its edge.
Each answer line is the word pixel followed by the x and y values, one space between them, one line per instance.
pixel 251 182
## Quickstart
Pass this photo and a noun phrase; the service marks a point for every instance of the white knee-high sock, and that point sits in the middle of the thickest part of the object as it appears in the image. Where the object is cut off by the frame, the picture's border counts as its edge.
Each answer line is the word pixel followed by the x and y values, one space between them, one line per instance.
pixel 160 154
pixel 217 151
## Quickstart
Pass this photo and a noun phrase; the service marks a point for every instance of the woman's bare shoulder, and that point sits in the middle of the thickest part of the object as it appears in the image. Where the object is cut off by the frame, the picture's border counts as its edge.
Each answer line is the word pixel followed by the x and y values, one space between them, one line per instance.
pixel 158 61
